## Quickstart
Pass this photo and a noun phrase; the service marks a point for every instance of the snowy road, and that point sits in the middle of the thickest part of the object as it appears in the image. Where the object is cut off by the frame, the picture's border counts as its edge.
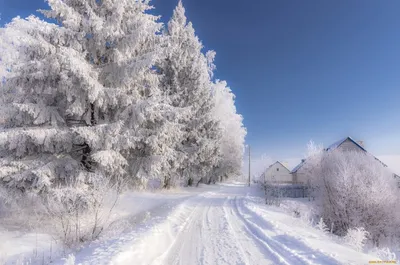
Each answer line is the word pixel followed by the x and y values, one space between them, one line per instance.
pixel 218 228
pixel 225 225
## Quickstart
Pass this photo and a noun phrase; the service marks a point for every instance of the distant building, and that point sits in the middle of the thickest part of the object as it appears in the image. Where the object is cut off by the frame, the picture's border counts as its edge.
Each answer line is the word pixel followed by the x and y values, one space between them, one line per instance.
pixel 346 144
pixel 277 173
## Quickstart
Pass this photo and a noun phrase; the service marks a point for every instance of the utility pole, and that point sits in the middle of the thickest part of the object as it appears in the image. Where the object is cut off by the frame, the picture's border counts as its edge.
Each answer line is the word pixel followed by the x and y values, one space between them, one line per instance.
pixel 249 165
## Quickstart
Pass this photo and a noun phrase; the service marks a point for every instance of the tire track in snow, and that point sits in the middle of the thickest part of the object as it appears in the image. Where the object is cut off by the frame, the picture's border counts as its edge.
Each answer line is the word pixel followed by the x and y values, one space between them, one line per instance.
pixel 251 250
pixel 218 235
pixel 153 243
pixel 205 238
pixel 261 221
pixel 232 230
pixel 285 255
pixel 171 255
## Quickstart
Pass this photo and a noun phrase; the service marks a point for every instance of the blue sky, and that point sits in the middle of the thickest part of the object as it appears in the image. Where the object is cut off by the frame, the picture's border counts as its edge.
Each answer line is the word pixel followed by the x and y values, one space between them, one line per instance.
pixel 301 70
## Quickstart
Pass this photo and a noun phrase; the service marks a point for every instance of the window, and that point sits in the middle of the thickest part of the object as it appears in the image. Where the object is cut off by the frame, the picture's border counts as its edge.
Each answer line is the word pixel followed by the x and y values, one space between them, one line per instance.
pixel 277 169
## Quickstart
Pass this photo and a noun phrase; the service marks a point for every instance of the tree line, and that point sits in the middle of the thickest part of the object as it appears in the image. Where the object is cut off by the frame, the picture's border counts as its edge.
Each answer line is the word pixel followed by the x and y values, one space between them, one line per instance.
pixel 104 90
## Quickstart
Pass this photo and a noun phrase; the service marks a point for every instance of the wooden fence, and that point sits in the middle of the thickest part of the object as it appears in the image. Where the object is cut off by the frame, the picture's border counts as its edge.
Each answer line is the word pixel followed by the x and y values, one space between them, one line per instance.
pixel 288 191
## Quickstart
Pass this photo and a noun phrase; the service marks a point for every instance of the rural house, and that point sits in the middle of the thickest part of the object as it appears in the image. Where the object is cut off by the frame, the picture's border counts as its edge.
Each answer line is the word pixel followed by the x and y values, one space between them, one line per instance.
pixel 277 173
pixel 346 144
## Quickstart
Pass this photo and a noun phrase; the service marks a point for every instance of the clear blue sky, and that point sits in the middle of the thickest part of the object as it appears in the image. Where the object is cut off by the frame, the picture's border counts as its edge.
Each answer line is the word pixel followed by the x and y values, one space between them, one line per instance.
pixel 301 70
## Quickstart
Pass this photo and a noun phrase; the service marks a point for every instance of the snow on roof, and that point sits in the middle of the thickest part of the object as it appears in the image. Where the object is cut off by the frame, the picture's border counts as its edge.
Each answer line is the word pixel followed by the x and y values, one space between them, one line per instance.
pixel 333 147
pixel 338 143
pixel 277 162
pixel 282 165
pixel 294 170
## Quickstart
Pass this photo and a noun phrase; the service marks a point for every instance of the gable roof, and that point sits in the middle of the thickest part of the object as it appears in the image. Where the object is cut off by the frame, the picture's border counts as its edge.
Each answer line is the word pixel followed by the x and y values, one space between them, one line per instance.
pixel 277 162
pixel 335 146
pixel 339 143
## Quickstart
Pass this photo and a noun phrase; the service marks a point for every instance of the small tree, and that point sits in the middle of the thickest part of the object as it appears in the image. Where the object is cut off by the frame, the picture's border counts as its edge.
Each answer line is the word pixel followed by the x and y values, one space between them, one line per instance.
pixel 322 226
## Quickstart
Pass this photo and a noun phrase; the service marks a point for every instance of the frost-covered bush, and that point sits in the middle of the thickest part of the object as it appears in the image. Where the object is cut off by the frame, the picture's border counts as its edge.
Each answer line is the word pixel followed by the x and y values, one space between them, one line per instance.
pixel 70 260
pixel 353 189
pixel 322 226
pixel 356 237
pixel 78 216
pixel 384 253
pixel 71 215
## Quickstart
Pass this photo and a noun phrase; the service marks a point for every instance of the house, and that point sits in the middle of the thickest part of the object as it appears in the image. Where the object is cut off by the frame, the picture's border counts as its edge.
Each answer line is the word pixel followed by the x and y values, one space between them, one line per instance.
pixel 277 173
pixel 346 144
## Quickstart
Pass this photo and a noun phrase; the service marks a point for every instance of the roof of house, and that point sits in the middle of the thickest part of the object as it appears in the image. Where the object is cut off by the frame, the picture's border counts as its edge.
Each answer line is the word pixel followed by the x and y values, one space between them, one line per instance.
pixel 339 143
pixel 294 170
pixel 278 163
pixel 335 146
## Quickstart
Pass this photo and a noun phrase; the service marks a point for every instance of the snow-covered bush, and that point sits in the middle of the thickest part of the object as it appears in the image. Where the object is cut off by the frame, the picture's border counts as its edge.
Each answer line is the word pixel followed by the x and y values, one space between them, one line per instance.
pixel 70 260
pixel 356 237
pixel 322 226
pixel 353 189
pixel 311 166
pixel 80 216
pixel 384 253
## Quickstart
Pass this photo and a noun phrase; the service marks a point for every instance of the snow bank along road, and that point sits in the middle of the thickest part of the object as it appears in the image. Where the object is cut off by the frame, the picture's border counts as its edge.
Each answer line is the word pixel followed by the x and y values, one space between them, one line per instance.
pixel 222 226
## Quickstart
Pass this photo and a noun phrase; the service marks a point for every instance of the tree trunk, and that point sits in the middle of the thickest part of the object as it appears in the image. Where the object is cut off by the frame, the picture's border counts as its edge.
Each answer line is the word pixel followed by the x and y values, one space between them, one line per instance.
pixel 85 161
pixel 167 182
pixel 190 182
pixel 198 182
pixel 209 181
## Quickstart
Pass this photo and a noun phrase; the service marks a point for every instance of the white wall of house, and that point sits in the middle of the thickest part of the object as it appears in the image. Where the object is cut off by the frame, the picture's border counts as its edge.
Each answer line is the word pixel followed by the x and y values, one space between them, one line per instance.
pixel 278 173
pixel 300 176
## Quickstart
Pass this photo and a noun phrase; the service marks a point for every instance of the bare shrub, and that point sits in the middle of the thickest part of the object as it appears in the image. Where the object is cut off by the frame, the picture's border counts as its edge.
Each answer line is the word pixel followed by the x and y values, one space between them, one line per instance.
pixel 80 215
pixel 71 214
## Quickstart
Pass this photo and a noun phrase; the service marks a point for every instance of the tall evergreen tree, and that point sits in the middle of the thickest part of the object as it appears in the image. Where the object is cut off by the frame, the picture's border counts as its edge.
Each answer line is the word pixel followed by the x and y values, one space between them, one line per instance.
pixel 187 81
pixel 84 97
pixel 233 131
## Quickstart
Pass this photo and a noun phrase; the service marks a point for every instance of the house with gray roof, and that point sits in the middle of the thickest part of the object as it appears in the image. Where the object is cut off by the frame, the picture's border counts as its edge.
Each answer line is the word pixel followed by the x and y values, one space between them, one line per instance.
pixel 346 144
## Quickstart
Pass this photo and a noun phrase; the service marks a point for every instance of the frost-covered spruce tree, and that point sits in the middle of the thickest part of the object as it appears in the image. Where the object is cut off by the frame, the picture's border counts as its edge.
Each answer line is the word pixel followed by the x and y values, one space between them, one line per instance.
pixel 187 81
pixel 36 147
pixel 7 55
pixel 122 41
pixel 84 98
pixel 233 131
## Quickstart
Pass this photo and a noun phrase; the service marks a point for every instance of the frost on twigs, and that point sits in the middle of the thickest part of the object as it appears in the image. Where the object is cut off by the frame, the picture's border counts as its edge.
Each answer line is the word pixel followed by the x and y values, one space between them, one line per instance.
pixel 356 237
pixel 322 226
pixel 353 189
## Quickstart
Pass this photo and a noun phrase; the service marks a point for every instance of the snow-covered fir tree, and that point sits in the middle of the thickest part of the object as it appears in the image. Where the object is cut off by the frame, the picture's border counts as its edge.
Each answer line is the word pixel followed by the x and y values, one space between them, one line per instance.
pixel 36 147
pixel 83 98
pixel 187 81
pixel 233 131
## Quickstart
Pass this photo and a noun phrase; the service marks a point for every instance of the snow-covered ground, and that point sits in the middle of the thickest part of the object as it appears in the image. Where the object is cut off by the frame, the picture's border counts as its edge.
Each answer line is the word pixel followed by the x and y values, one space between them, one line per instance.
pixel 220 224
